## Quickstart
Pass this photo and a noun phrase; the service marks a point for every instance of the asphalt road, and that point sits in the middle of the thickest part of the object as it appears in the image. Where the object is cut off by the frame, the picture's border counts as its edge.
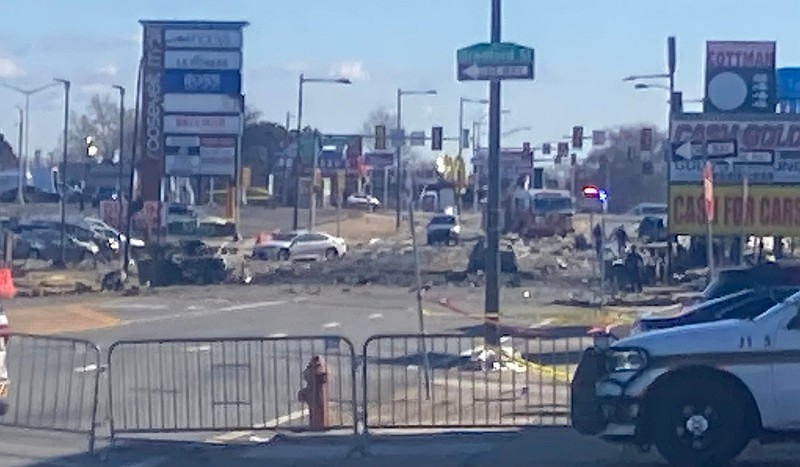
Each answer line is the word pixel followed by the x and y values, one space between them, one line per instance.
pixel 228 388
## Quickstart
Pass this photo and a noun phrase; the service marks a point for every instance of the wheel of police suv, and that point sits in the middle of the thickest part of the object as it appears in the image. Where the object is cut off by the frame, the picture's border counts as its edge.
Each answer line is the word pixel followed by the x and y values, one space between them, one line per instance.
pixel 700 425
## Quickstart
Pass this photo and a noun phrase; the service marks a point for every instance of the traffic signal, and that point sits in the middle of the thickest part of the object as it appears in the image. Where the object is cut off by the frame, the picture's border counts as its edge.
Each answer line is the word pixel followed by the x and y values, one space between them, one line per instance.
pixel 577 137
pixel 546 149
pixel 573 159
pixel 563 151
pixel 465 138
pixel 646 143
pixel 380 137
pixel 436 138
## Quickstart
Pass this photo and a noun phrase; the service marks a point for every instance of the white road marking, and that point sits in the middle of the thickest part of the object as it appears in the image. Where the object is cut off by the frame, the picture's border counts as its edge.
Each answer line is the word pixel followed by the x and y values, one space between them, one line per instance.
pixel 250 306
pixel 198 348
pixel 278 335
pixel 149 462
pixel 202 313
pixel 331 325
pixel 135 306
pixel 375 316
pixel 86 369
pixel 232 435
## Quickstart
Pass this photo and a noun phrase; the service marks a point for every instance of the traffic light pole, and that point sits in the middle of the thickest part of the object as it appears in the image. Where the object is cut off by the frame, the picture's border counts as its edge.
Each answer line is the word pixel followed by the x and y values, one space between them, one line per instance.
pixel 492 292
pixel 399 152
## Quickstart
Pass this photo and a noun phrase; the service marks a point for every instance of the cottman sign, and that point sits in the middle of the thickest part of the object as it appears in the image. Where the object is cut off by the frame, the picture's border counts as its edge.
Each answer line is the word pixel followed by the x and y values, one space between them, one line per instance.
pixel 768 147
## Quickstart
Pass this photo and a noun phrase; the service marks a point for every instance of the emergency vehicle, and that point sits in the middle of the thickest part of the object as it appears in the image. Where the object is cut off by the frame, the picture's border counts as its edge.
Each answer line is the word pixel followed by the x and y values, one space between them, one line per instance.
pixel 698 393
pixel 535 213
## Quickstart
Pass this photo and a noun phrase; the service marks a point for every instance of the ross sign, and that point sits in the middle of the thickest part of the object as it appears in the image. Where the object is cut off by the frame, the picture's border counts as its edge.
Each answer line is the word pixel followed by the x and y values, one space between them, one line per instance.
pixel 740 77
pixel 202 103
pixel 203 124
pixel 203 38
pixel 495 61
pixel 220 82
pixel 768 210
pixel 708 190
pixel 768 148
pixel 202 60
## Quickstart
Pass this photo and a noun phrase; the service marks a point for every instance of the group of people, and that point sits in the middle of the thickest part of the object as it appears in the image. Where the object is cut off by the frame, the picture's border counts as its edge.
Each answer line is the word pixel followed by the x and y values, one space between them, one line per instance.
pixel 633 266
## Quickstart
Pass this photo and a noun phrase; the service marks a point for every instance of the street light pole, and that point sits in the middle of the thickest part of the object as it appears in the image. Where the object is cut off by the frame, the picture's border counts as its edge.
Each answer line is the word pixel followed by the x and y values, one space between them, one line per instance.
pixel 492 292
pixel 399 152
pixel 399 149
pixel 63 190
pixel 21 178
pixel 121 173
pixel 23 147
pixel 296 166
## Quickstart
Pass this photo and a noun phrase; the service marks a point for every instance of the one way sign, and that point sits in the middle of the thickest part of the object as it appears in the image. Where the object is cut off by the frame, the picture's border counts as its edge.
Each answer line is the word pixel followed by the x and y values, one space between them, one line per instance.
pixel 722 149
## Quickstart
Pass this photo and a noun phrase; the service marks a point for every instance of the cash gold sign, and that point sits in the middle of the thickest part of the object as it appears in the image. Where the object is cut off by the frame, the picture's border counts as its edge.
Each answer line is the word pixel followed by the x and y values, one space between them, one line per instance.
pixel 766 210
pixel 753 135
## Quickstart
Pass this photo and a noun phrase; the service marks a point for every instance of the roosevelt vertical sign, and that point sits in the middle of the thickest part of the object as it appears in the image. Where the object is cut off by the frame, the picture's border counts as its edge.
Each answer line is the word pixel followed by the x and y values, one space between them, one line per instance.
pixel 740 77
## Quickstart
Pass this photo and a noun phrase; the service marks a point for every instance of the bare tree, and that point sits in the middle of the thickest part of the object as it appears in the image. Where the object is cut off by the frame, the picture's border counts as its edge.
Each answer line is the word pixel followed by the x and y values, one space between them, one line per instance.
pixel 388 118
pixel 100 120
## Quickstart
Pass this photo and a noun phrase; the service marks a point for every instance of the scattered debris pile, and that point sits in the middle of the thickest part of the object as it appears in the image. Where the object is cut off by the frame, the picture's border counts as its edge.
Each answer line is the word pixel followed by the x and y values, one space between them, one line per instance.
pixel 391 262
pixel 188 262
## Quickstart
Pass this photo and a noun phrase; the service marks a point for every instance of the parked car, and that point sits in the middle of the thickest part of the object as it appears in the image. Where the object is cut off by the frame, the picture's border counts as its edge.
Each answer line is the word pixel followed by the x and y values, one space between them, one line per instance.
pixel 45 244
pixel 443 228
pixel 771 274
pixel 652 229
pixel 363 201
pixel 301 245
pixel 745 304
pixel 99 227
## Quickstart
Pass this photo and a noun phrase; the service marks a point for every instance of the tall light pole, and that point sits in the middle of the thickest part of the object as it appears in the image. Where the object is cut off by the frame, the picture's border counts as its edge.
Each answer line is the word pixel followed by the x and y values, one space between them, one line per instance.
pixel 492 269
pixel 63 190
pixel 670 77
pixel 461 102
pixel 20 161
pixel 20 144
pixel 121 174
pixel 302 80
pixel 399 149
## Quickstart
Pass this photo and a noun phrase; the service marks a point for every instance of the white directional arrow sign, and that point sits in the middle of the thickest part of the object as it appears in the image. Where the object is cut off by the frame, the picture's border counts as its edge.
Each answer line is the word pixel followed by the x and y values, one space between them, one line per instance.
pixel 725 149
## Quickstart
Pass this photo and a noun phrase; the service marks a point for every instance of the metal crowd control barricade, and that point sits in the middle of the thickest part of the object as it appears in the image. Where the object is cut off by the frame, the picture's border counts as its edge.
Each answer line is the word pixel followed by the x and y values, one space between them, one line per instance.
pixel 54 384
pixel 225 384
pixel 522 382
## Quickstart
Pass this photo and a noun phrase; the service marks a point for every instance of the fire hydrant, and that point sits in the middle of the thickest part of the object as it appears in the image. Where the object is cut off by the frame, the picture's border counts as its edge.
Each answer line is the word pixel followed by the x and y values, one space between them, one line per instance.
pixel 315 394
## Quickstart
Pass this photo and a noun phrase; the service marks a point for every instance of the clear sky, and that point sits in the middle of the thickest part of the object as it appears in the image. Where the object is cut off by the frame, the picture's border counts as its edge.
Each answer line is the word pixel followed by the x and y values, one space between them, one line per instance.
pixel 583 49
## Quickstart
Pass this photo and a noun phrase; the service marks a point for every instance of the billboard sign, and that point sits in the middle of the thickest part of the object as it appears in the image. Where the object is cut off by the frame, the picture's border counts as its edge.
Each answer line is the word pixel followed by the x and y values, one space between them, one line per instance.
pixel 768 149
pixel 203 38
pixel 202 60
pixel 740 77
pixel 193 72
pixel 220 82
pixel 202 103
pixel 768 210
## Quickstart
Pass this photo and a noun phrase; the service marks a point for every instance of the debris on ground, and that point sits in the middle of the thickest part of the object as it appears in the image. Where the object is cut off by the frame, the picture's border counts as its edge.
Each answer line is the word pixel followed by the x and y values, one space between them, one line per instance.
pixel 190 262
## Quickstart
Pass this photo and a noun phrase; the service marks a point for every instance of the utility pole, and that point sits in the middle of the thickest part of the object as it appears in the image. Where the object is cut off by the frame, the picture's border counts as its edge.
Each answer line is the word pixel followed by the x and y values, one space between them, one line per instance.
pixel 492 297
pixel 121 172
pixel 398 155
pixel 63 191
pixel 20 166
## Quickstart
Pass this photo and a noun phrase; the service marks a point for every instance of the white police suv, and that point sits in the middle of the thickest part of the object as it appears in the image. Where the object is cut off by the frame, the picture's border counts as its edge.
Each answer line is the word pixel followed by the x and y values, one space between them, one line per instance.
pixel 698 393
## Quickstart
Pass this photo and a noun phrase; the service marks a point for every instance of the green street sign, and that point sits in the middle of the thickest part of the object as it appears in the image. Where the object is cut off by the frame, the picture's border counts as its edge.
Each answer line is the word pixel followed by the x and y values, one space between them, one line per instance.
pixel 490 61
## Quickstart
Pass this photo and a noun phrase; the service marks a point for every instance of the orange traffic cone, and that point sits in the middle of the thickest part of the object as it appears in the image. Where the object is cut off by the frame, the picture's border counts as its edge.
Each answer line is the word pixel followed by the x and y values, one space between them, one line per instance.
pixel 7 289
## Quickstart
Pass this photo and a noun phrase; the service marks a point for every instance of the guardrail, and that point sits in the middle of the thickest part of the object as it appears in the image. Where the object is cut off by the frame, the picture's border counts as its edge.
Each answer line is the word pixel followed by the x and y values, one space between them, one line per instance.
pixel 225 384
pixel 523 381
pixel 54 384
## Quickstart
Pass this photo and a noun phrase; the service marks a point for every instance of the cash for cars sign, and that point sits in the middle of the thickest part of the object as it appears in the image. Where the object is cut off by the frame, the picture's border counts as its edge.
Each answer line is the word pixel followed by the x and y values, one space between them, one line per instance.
pixel 768 210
